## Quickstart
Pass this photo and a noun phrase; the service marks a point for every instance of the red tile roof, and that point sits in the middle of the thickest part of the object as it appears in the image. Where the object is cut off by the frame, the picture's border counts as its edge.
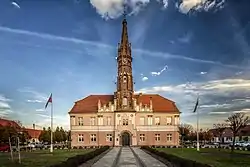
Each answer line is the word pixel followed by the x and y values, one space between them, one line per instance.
pixel 34 133
pixel 5 122
pixel 90 103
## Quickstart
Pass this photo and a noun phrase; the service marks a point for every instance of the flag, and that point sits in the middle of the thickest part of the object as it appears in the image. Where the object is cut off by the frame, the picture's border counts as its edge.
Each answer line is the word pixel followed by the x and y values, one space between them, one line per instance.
pixel 196 105
pixel 49 101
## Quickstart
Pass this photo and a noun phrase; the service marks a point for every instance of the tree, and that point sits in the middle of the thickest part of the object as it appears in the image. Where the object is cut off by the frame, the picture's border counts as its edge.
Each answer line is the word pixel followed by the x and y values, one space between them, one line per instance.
pixel 45 135
pixel 184 130
pixel 236 122
pixel 58 135
pixel 208 136
pixel 63 134
pixel 219 129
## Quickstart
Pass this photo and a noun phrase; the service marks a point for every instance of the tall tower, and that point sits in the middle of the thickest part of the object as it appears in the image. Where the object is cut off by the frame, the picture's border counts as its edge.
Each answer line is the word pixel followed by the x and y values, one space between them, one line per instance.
pixel 125 90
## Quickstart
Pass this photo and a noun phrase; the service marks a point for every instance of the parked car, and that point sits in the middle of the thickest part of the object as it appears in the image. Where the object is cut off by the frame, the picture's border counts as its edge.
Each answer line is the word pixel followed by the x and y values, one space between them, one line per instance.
pixel 4 147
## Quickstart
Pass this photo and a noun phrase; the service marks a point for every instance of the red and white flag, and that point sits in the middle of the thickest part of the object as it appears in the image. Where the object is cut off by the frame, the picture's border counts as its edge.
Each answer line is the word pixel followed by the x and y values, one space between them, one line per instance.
pixel 49 101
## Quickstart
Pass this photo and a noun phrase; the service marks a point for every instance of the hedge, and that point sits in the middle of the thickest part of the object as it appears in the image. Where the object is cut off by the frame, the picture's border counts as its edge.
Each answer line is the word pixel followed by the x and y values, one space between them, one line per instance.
pixel 80 159
pixel 175 160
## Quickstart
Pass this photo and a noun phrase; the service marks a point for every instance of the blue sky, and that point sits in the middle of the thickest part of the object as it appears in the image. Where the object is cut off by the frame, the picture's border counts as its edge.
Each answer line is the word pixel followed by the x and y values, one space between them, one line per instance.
pixel 181 48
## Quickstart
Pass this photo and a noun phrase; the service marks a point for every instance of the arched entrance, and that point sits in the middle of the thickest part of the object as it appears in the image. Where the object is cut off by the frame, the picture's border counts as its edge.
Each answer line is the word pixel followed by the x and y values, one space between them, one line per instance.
pixel 126 139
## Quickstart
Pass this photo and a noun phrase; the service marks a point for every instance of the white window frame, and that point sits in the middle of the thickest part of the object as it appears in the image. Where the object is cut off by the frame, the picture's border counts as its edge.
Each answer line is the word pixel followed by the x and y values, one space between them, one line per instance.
pixel 80 137
pixel 142 137
pixel 125 122
pixel 93 137
pixel 150 120
pixel 92 121
pixel 109 137
pixel 157 120
pixel 100 120
pixel 142 120
pixel 80 121
pixel 157 137
pixel 169 137
pixel 108 120
pixel 169 121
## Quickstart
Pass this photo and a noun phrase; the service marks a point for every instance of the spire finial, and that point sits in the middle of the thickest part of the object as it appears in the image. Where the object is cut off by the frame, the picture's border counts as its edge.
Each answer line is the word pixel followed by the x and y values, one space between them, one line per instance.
pixel 124 10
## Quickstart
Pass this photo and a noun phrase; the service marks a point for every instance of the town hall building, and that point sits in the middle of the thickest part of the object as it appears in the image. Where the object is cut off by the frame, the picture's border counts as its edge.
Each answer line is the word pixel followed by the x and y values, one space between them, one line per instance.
pixel 124 118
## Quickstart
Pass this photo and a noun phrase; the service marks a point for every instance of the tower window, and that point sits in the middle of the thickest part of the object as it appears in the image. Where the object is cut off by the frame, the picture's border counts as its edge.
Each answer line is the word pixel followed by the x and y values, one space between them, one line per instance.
pixel 124 79
pixel 125 101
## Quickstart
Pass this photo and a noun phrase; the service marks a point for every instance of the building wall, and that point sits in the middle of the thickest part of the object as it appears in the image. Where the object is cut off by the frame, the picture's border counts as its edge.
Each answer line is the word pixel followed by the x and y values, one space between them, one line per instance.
pixel 116 127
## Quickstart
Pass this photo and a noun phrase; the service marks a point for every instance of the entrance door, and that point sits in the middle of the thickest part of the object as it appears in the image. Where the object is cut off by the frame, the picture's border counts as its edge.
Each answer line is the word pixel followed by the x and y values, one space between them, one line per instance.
pixel 125 139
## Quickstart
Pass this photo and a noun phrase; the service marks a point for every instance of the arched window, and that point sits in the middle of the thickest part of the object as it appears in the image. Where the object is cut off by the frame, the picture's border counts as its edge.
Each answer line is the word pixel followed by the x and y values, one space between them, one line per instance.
pixel 124 79
pixel 125 101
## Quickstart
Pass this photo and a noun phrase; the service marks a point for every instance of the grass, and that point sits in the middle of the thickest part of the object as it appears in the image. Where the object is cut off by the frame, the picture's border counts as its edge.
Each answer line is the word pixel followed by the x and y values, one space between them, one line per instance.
pixel 212 156
pixel 39 158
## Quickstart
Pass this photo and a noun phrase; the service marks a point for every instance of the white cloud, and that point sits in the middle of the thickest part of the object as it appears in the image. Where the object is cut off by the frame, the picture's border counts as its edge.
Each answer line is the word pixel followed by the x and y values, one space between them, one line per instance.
pixel 40 110
pixel 203 73
pixel 200 5
pixel 186 38
pixel 58 120
pixel 245 110
pixel 110 9
pixel 15 4
pixel 35 101
pixel 144 78
pixel 218 113
pixel 37 96
pixel 5 108
pixel 159 72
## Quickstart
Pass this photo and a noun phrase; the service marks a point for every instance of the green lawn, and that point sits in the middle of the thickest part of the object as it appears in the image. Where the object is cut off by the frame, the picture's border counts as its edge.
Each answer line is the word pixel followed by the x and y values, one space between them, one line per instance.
pixel 39 158
pixel 213 157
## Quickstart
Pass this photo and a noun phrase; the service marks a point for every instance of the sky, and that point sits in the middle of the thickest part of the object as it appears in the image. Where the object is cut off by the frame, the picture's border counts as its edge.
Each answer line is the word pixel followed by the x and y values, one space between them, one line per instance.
pixel 180 48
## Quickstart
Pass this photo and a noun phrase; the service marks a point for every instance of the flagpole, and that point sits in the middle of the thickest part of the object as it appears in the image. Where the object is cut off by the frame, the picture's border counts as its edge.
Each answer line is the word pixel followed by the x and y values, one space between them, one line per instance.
pixel 51 135
pixel 198 142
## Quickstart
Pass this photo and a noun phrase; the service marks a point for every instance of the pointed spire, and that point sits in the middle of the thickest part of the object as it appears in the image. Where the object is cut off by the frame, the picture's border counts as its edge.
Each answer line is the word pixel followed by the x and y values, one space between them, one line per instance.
pixel 124 38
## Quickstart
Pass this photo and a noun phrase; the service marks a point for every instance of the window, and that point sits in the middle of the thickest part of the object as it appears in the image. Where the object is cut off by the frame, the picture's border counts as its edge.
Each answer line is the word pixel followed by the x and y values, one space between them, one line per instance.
pixel 93 137
pixel 80 138
pixel 100 120
pixel 109 137
pixel 142 120
pixel 124 79
pixel 150 120
pixel 169 137
pixel 169 120
pixel 157 137
pixel 80 121
pixel 108 120
pixel 92 121
pixel 176 120
pixel 73 120
pixel 142 137
pixel 157 121
pixel 125 122
pixel 125 101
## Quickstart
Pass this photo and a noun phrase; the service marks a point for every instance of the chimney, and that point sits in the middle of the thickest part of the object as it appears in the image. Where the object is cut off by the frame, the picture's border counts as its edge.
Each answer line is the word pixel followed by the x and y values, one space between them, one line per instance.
pixel 151 104
pixel 34 126
pixel 99 104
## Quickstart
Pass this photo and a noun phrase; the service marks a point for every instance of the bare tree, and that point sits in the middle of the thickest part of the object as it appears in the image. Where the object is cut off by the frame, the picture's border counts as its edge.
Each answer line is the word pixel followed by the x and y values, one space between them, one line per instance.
pixel 219 129
pixel 236 122
pixel 184 130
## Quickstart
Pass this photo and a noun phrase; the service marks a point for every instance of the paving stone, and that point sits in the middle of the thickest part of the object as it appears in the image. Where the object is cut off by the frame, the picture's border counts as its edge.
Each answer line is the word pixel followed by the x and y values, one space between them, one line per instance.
pixel 147 159
pixel 127 158
pixel 108 159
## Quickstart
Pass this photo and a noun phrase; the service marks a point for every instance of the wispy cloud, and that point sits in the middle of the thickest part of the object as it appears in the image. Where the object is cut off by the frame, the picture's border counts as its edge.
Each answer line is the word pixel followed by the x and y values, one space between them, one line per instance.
pixel 159 72
pixel 5 108
pixel 35 101
pixel 37 96
pixel 40 110
pixel 186 38
pixel 15 4
pixel 103 46
pixel 51 37
pixel 203 73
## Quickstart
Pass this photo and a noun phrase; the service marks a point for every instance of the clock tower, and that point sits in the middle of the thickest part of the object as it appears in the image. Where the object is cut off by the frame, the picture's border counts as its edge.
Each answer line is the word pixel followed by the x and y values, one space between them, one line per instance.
pixel 124 93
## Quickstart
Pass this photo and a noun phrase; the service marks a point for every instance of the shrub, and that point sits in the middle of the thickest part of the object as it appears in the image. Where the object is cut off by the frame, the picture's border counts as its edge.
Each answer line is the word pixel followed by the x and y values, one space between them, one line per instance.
pixel 177 161
pixel 80 159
